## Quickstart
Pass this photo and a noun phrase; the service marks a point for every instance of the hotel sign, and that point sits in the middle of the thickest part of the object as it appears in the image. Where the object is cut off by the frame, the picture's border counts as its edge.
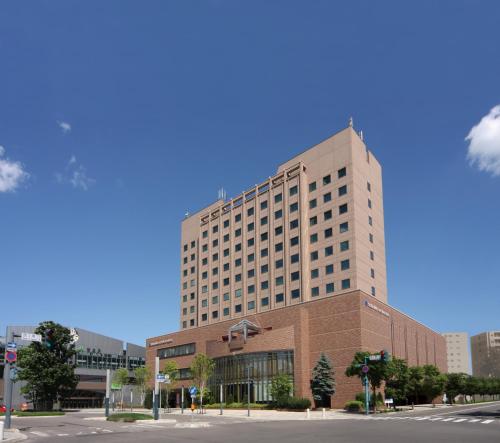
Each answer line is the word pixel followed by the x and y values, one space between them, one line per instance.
pixel 160 342
pixel 376 308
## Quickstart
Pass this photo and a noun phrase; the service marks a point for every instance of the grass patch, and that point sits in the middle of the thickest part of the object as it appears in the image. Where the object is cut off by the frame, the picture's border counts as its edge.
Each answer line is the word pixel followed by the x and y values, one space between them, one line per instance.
pixel 237 406
pixel 129 417
pixel 35 413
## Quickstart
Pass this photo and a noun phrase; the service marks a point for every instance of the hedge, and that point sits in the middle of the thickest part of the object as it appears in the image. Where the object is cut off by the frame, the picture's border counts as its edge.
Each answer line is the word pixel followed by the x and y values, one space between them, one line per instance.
pixel 354 406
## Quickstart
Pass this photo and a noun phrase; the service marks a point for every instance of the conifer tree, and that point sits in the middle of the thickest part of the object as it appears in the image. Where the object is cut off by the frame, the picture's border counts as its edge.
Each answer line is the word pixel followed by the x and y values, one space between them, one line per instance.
pixel 323 381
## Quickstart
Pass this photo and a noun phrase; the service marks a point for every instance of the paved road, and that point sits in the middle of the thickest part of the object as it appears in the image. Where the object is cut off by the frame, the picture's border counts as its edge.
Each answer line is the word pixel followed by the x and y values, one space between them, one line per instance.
pixel 468 424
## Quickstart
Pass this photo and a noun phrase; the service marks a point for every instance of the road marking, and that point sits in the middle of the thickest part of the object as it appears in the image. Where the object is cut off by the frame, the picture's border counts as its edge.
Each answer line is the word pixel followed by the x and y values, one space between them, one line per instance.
pixel 436 418
pixel 475 420
pixel 448 419
pixel 459 420
pixel 422 418
pixel 40 434
pixel 62 435
pixel 486 422
pixel 106 430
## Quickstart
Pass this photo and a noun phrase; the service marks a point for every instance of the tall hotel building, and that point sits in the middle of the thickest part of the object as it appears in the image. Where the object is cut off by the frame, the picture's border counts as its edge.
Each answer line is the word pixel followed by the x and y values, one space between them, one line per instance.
pixel 293 267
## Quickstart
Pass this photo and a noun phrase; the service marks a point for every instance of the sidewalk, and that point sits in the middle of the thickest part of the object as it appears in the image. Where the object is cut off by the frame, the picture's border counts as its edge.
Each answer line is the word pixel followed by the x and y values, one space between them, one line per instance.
pixel 13 435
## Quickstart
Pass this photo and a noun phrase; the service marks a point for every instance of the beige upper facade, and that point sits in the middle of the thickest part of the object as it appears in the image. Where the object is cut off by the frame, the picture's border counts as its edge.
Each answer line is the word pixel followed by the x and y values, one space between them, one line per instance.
pixel 485 351
pixel 313 230
pixel 457 352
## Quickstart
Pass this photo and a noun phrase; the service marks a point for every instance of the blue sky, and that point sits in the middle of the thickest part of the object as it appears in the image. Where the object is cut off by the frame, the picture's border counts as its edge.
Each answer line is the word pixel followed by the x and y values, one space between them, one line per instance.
pixel 116 117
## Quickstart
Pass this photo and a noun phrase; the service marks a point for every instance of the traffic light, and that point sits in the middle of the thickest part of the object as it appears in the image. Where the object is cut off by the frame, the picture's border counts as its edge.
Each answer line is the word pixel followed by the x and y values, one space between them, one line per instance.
pixel 385 356
pixel 49 338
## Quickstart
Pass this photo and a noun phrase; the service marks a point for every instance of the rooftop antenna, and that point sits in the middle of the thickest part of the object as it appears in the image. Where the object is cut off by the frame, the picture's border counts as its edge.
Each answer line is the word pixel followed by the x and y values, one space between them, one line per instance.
pixel 222 194
pixel 186 214
pixel 351 122
pixel 361 135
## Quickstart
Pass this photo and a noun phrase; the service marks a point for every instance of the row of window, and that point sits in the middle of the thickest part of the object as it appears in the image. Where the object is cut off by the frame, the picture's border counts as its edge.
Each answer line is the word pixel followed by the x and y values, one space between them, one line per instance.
pixel 327 179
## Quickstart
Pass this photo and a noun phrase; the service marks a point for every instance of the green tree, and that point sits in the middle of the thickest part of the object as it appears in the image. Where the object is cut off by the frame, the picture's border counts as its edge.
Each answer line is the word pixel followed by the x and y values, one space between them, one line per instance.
pixel 376 375
pixel 202 367
pixel 415 383
pixel 143 375
pixel 48 368
pixel 455 385
pixel 323 381
pixel 433 383
pixel 471 387
pixel 397 381
pixel 120 377
pixel 172 370
pixel 281 388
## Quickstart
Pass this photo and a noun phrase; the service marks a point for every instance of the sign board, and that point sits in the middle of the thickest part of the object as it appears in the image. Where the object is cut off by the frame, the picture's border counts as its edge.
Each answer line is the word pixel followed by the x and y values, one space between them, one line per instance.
pixel 10 356
pixel 193 391
pixel 27 336
pixel 13 374
pixel 160 378
pixel 375 357
pixel 11 346
pixel 365 369
pixel 116 386
pixel 389 401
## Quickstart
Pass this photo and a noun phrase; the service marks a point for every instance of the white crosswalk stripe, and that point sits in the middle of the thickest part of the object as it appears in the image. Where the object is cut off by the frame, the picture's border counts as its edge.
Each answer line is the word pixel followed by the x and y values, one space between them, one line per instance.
pixel 440 419
pixel 485 422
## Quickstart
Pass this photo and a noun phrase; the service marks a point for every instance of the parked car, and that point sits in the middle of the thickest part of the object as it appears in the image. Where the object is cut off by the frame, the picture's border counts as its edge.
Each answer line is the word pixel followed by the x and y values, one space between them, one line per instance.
pixel 3 408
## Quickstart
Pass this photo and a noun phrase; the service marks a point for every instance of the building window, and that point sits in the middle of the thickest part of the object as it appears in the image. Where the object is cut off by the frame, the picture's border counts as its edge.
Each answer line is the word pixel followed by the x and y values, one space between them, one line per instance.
pixel 185 260
pixel 328 232
pixel 205 234
pixel 372 255
pixel 226 296
pixel 278 214
pixel 215 229
pixel 264 252
pixel 251 273
pixel 263 236
pixel 204 289
pixel 215 314
pixel 314 255
pixel 251 289
pixel 237 233
pixel 278 264
pixel 278 198
pixel 327 215
pixel 226 238
pixel 237 309
pixel 185 248
pixel 193 244
pixel 225 311
pixel 295 293
pixel 264 301
pixel 237 247
pixel 369 186
pixel 279 281
pixel 264 284
pixel 278 247
pixel 237 218
pixel 237 278
pixel 191 309
pixel 327 197
pixel 373 291
pixel 226 280
pixel 328 269
pixel 226 223
pixel 191 322
pixel 344 227
pixel 294 207
pixel 177 351
pixel 342 172
pixel 313 238
pixel 250 258
pixel 315 291
pixel 294 190
pixel 263 205
pixel 184 324
pixel 370 220
pixel 342 190
pixel 263 221
pixel 314 273
pixel 250 212
pixel 369 203
pixel 312 186
pixel 345 265
pixel 215 257
pixel 279 298
pixel 264 269
pixel 313 221
pixel 372 273
pixel 294 258
pixel 328 251
pixel 215 271
pixel 278 230
pixel 215 299
pixel 191 296
pixel 370 237
pixel 295 276
pixel 184 311
pixel 250 242
pixel 346 283
pixel 237 293
pixel 327 179
pixel 251 305
pixel 204 248
pixel 294 241
pixel 226 252
pixel 184 298
pixel 329 288
pixel 185 272
pixel 250 227
pixel 343 208
pixel 237 262
pixel 226 266
pixel 204 317
pixel 313 203
pixel 294 224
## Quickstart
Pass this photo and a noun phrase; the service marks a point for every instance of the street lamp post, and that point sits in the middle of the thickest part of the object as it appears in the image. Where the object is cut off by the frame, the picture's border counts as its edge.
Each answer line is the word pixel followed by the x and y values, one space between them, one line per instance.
pixel 248 391
pixel 221 396
pixel 182 399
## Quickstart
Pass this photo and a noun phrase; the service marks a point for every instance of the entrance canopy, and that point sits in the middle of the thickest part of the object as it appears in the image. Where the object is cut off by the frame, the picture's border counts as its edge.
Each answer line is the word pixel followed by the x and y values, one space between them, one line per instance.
pixel 243 327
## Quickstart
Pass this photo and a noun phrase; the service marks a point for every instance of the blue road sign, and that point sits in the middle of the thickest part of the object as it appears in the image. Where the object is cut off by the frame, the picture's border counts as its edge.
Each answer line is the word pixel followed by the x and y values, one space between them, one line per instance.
pixel 11 345
pixel 193 390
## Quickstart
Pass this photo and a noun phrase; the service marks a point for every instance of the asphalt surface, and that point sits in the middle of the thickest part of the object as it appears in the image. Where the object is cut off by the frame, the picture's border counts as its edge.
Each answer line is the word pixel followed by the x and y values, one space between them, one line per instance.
pixel 470 424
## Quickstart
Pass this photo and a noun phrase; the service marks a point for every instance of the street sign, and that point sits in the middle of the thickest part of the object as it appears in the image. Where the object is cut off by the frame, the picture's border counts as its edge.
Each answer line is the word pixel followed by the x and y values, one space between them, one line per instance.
pixel 375 357
pixel 116 386
pixel 365 369
pixel 11 346
pixel 13 374
pixel 193 391
pixel 10 356
pixel 27 336
pixel 160 378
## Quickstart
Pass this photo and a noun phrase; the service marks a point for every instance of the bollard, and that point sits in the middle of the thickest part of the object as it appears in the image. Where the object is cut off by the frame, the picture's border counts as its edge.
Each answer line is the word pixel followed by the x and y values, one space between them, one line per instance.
pixel 323 413
pixel 1 430
pixel 308 413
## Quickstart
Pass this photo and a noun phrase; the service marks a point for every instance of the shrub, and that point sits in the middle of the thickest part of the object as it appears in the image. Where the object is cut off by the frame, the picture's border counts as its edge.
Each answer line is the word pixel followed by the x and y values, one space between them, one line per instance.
pixel 360 396
pixel 129 417
pixel 229 399
pixel 353 406
pixel 298 403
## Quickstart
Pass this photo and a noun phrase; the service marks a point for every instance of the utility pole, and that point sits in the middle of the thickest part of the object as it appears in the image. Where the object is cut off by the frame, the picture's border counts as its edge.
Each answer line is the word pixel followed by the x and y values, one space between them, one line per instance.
pixel 157 389
pixel 8 371
pixel 221 397
pixel 248 391
pixel 108 388
pixel 182 399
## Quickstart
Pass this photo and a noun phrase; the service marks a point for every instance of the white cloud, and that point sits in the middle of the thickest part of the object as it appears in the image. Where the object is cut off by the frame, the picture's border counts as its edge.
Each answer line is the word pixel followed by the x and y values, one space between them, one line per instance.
pixel 75 174
pixel 65 127
pixel 484 143
pixel 12 174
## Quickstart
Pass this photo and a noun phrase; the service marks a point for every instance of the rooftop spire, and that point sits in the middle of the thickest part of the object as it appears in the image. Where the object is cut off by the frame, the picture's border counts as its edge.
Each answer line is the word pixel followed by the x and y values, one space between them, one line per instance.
pixel 351 122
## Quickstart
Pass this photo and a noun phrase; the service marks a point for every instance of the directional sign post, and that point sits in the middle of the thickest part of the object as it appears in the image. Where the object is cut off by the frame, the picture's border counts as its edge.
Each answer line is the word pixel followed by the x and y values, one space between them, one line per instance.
pixel 27 336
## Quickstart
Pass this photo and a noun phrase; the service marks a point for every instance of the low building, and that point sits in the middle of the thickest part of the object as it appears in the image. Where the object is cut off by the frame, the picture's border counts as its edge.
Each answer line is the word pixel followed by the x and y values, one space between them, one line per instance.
pixel 95 354
pixel 457 352
pixel 485 351
pixel 292 267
